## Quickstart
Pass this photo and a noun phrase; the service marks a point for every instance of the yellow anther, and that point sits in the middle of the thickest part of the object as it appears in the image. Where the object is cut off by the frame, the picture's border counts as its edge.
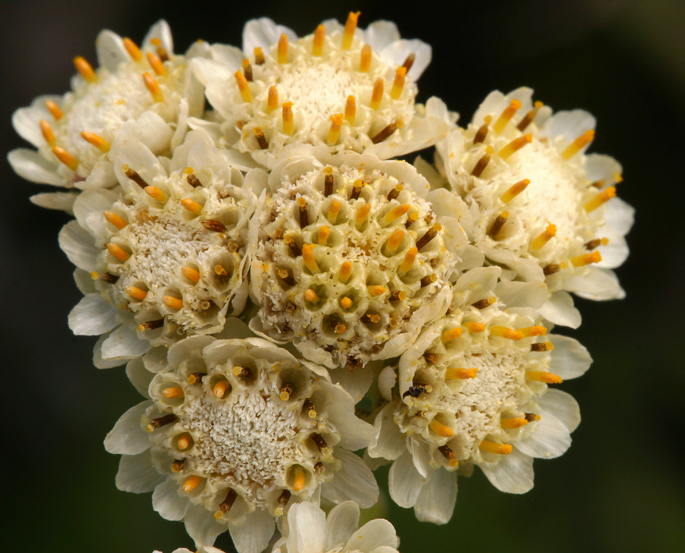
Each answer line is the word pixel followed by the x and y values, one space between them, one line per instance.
pixel 153 87
pixel 117 251
pixel 461 374
pixel 156 194
pixel 514 191
pixel 578 144
pixel 114 219
pixel 362 214
pixel 298 479
pixel 287 113
pixel 334 131
pixel 317 43
pixel 494 447
pixel 350 28
pixel 340 328
pixel 346 303
pixel 54 110
pixel 333 210
pixel 543 376
pixel 48 135
pixel 345 271
pixel 515 145
pixel 156 64
pixel 324 233
pixel 543 237
pixel 172 392
pixel 377 94
pixel 506 116
pixel 497 225
pixel 96 140
pixel 474 327
pixel 220 388
pixel 272 101
pixel 504 332
pixel 537 330
pixel 94 275
pixel 65 157
pixel 365 60
pixel 441 429
pixel 259 56
pixel 394 241
pixel 395 213
pixel 191 274
pixel 409 258
pixel 283 49
pixel 618 177
pixel 184 441
pixel 132 49
pixel 586 259
pixel 85 69
pixel 514 422
pixel 136 293
pixel 351 110
pixel 376 290
pixel 191 483
pixel 243 87
pixel 601 198
pixel 192 206
pixel 172 302
pixel 451 334
pixel 398 83
pixel 308 257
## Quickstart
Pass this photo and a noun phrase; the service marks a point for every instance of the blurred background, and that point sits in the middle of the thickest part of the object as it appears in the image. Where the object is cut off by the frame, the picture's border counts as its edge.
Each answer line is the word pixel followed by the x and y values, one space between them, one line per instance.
pixel 621 485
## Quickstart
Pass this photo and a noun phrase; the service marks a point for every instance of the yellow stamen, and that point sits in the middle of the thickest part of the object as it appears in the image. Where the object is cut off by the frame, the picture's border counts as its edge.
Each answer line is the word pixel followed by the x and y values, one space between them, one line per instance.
pixel 156 64
pixel 600 199
pixel 350 28
pixel 317 43
pixel 504 332
pixel 345 271
pixel 283 49
pixel 192 206
pixel 441 429
pixel 308 257
pixel 172 392
pixel 398 84
pixel 118 252
pixel 48 135
pixel 340 328
pixel 365 60
pixel 132 49
pixel 543 376
pixel 351 110
pixel 334 131
pixel 190 484
pixel 324 233
pixel 287 113
pixel 136 293
pixel 395 213
pixel 298 479
pixel 618 177
pixel 394 241
pixel 451 334
pixel 174 303
pixel 362 213
pixel 191 274
pixel 377 94
pixel 96 140
pixel 346 303
pixel 514 191
pixel 461 374
pixel 156 194
pixel 272 101
pixel 506 116
pixel 544 237
pixel 494 447
pixel 474 328
pixel 537 330
pixel 333 210
pixel 184 442
pixel 153 87
pixel 243 87
pixel 259 56
pixel 114 219
pixel 376 290
pixel 408 262
pixel 54 110
pixel 497 224
pixel 578 144
pixel 514 422
pixel 85 69
pixel 65 157
pixel 220 389
pixel 586 259
pixel 515 145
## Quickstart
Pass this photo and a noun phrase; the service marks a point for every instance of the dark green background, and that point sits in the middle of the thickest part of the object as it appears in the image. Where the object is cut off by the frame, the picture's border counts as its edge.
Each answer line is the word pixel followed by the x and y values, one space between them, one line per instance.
pixel 620 486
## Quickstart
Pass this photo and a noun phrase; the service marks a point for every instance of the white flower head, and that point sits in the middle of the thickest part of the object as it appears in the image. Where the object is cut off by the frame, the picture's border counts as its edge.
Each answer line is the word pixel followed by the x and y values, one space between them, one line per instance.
pixel 167 251
pixel 342 87
pixel 309 530
pixel 136 93
pixel 539 205
pixel 473 390
pixel 236 431
pixel 349 258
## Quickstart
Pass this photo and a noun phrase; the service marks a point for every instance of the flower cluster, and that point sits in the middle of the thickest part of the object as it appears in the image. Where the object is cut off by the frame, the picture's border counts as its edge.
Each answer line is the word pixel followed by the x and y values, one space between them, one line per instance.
pixel 264 264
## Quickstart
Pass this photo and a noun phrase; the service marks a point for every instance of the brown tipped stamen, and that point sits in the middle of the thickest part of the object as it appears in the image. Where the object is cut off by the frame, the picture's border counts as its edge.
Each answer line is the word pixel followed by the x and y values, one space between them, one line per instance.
pixel 596 243
pixel 328 181
pixel 259 56
pixel 395 192
pixel 284 497
pixel 431 358
pixel 411 219
pixel 449 455
pixel 286 391
pixel 482 163
pixel 154 424
pixel 177 465
pixel 151 325
pixel 529 117
pixel 134 176
pixel 387 131
pixel 109 278
pixel 371 318
pixel 242 372
pixel 221 274
pixel 428 280
pixel 482 132
pixel 193 181
pixel 542 346
pixel 552 268
pixel 286 276
pixel 309 409
pixel 485 302
pixel 304 217
pixel 247 70
pixel 357 190
pixel 294 248
pixel 195 378
pixel 498 224
pixel 415 390
pixel 261 140
pixel 214 226
pixel 398 295
pixel 532 417
pixel 428 236
pixel 226 504
pixel 321 444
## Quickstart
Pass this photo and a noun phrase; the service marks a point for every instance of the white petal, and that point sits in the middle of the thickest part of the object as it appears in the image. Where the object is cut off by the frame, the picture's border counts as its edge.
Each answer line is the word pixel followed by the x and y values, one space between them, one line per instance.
pixel 569 358
pixel 84 282
pixel 380 34
pixel 264 33
pixel 93 202
pixel 77 243
pixel 512 474
pixel 356 383
pixel 128 437
pixel 437 498
pixel 137 474
pixel 404 481
pixel 559 309
pixel 167 502
pixel 26 121
pixel 601 167
pixel 101 176
pixel 202 526
pixel 151 131
pixel 92 316
pixel 342 522
pixel 389 438
pixel 550 439
pixel 387 379
pixel 139 376
pixel 598 284
pixel 396 53
pixel 98 361
pixel 124 343
pixel 161 31
pixel 353 481
pixel 619 215
pixel 110 50
pixel 30 165
pixel 563 406
pixel 356 433
pixel 373 534
pixel 253 536
pixel 229 56
pixel 522 294
pixel 306 528
pixel 569 124
pixel 139 157
pixel 63 201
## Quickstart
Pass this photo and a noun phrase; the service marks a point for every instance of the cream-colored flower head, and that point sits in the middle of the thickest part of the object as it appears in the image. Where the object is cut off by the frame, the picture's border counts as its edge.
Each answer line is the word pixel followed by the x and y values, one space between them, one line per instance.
pixel 539 204
pixel 167 251
pixel 137 93
pixel 308 530
pixel 473 390
pixel 349 259
pixel 236 432
pixel 342 87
